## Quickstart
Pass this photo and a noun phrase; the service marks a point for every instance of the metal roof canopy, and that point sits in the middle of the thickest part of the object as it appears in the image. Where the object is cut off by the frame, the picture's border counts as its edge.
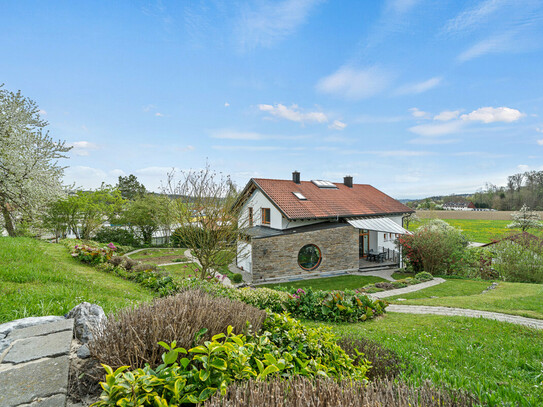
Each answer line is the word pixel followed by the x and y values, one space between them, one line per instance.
pixel 378 224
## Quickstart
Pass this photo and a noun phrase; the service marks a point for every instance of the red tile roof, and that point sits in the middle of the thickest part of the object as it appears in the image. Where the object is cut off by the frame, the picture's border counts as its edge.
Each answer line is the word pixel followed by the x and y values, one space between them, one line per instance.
pixel 360 200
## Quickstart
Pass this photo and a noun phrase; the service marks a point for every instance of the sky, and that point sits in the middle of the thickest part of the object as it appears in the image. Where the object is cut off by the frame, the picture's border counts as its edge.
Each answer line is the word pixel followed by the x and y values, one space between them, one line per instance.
pixel 414 97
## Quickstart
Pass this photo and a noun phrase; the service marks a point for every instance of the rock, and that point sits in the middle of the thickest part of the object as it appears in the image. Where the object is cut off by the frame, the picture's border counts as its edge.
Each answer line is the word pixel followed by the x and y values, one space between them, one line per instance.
pixel 83 352
pixel 87 317
pixel 38 347
pixel 26 322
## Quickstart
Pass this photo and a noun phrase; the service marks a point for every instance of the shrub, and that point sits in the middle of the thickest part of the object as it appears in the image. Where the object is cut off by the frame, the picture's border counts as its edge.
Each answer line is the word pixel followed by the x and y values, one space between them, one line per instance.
pixel 130 337
pixel 399 284
pixel 519 261
pixel 118 235
pixel 384 285
pixel 300 391
pixel 435 247
pixel 237 278
pixel 93 255
pixel 285 348
pixel 384 362
pixel 263 298
pixel 424 276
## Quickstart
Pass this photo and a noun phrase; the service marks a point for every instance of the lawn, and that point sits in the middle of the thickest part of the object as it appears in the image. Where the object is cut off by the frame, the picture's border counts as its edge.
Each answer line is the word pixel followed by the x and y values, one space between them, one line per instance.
pixel 509 298
pixel 476 230
pixel 499 362
pixel 349 282
pixel 181 270
pixel 39 278
pixel 160 256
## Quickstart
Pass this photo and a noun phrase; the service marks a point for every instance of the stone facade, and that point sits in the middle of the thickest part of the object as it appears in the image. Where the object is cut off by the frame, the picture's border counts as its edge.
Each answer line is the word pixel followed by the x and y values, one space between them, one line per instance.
pixel 277 256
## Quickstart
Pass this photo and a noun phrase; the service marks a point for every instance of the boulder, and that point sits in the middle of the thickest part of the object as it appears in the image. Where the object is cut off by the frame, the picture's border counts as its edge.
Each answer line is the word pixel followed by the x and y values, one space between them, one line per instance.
pixel 83 352
pixel 87 317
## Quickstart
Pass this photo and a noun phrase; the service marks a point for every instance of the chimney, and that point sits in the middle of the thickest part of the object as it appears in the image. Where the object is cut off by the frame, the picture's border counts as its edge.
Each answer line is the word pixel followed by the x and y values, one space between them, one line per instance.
pixel 296 177
pixel 348 181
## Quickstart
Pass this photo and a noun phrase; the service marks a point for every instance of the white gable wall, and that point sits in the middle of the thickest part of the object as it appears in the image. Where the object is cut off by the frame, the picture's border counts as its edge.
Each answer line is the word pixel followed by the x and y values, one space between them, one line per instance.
pixel 258 201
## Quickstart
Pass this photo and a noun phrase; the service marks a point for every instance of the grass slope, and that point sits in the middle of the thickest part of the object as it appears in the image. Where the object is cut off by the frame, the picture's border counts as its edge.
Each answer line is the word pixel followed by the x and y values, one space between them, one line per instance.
pixel 39 278
pixel 500 362
pixel 331 283
pixel 510 298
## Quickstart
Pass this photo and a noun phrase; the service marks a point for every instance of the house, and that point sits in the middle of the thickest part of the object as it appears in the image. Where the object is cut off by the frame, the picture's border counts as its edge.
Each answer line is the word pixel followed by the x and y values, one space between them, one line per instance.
pixel 295 227
pixel 459 206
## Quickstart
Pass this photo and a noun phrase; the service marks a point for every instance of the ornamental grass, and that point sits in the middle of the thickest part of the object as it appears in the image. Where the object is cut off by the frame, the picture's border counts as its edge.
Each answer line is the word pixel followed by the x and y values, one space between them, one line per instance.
pixel 131 336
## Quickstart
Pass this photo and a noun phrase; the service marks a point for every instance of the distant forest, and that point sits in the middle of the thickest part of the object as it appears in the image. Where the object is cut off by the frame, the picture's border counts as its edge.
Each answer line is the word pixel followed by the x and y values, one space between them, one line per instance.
pixel 522 189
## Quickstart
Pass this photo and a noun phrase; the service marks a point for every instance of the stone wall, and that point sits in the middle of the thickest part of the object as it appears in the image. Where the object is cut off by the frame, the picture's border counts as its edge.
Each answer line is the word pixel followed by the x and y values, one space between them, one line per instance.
pixel 277 256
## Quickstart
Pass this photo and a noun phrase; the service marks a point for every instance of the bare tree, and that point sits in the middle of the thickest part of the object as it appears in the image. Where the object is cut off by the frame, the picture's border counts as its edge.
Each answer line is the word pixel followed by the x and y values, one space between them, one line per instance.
pixel 203 206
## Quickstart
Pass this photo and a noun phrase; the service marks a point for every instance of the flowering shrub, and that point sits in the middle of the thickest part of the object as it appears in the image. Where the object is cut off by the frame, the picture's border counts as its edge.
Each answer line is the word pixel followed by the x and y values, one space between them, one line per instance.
pixel 435 247
pixel 93 255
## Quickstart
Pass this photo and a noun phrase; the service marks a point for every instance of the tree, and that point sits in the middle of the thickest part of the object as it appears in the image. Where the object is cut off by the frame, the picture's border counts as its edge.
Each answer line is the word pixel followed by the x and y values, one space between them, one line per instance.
pixel 205 211
pixel 525 219
pixel 407 219
pixel 30 176
pixel 56 218
pixel 145 216
pixel 131 188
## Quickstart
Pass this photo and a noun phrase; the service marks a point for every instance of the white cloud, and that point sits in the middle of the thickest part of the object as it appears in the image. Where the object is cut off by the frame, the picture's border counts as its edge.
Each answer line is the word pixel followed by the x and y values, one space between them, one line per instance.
pixel 540 142
pixel 493 114
pixel 154 171
pixel 83 148
pixel 355 84
pixel 539 130
pixel 419 87
pixel 401 6
pixel 337 125
pixel 266 23
pixel 436 129
pixel 158 114
pixel 416 112
pixel 492 45
pixel 472 18
pixel 148 108
pixel 432 141
pixel 447 115
pixel 117 173
pixel 184 149
pixel 237 135
pixel 226 104
pixel 400 153
pixel 251 148
pixel 523 167
pixel 293 113
pixel 42 112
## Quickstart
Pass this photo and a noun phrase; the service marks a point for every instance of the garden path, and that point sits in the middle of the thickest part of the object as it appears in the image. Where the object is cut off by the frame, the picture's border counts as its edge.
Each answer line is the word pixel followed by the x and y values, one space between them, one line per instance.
pixel 410 289
pixel 422 309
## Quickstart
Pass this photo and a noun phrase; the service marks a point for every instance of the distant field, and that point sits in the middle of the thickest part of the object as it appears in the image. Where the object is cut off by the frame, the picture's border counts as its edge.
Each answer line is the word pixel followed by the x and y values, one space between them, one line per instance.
pixel 479 215
pixel 476 230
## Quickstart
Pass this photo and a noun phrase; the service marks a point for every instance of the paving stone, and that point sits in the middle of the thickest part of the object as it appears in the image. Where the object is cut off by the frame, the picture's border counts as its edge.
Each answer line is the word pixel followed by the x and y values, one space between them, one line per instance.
pixel 26 382
pixel 58 400
pixel 42 329
pixel 24 322
pixel 461 312
pixel 25 350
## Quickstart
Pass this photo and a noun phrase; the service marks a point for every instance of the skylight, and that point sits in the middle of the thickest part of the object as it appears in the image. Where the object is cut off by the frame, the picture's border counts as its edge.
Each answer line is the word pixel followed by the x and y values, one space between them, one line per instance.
pixel 300 196
pixel 323 184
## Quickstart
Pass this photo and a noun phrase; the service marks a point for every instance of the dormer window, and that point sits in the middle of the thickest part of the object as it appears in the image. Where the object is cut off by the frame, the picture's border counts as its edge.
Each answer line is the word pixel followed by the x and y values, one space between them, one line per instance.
pixel 324 184
pixel 300 196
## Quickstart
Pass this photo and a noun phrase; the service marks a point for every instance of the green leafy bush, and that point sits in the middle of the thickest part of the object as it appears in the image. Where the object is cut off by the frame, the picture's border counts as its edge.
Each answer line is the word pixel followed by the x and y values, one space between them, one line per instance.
pixel 399 284
pixel 118 235
pixel 93 255
pixel 237 278
pixel 424 276
pixel 285 348
pixel 520 260
pixel 263 298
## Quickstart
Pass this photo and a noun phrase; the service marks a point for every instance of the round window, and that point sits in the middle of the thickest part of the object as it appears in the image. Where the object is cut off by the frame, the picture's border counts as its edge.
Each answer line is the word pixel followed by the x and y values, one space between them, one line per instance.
pixel 309 257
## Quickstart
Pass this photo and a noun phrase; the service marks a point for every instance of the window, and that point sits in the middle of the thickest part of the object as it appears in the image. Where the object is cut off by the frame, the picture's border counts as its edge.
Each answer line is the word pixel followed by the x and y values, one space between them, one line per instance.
pixel 300 196
pixel 309 257
pixel 265 216
pixel 251 216
pixel 323 184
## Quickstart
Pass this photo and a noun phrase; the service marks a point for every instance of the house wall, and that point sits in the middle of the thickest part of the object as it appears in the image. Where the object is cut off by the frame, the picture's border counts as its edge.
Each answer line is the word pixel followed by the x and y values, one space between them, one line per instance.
pixel 277 256
pixel 258 201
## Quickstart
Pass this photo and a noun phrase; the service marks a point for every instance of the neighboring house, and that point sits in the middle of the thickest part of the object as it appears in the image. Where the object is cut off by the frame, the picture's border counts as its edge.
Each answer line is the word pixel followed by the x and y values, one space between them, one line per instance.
pixel 298 227
pixel 459 206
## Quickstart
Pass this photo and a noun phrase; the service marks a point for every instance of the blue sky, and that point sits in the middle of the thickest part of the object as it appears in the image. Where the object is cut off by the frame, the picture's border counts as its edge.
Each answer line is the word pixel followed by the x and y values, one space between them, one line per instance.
pixel 415 97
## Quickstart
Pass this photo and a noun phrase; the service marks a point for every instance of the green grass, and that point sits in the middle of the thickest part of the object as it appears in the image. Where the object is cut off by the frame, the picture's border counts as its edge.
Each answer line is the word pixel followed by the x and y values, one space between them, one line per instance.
pixel 331 283
pixel 39 278
pixel 150 253
pixel 476 230
pixel 509 298
pixel 480 356
pixel 181 270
